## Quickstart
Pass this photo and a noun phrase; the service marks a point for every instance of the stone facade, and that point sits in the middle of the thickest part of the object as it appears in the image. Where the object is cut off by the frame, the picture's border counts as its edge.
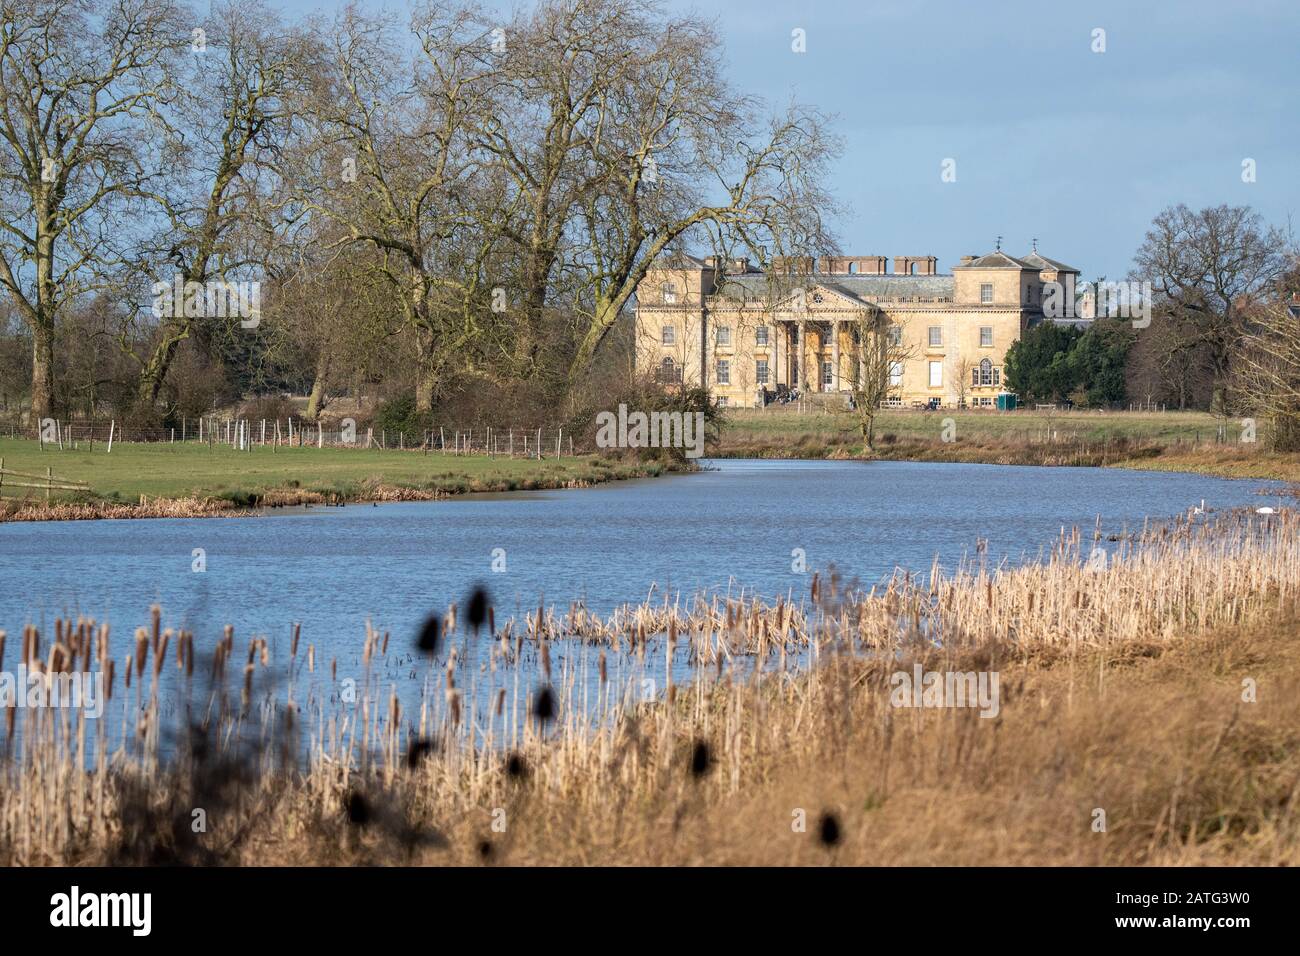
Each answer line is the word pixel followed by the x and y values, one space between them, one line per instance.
pixel 737 329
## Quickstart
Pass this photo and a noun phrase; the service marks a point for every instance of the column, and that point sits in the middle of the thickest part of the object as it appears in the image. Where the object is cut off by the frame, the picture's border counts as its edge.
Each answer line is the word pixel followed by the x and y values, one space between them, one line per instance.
pixel 801 354
pixel 835 355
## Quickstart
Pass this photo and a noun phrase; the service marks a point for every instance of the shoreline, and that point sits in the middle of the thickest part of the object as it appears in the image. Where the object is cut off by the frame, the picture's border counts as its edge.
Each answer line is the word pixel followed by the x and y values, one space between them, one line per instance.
pixel 1270 468
pixel 195 506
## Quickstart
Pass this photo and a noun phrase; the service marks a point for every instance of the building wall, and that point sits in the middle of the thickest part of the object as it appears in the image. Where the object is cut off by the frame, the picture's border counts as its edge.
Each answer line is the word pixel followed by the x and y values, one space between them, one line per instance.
pixel 697 316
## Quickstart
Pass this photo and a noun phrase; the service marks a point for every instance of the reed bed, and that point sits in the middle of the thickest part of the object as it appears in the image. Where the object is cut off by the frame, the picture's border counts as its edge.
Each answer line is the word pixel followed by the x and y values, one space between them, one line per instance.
pixel 534 740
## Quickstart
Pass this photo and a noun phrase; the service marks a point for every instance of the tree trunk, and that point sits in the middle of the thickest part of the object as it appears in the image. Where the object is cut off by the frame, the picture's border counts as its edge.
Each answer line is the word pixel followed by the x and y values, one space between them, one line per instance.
pixel 42 371
pixel 154 373
pixel 318 387
pixel 426 373
pixel 424 393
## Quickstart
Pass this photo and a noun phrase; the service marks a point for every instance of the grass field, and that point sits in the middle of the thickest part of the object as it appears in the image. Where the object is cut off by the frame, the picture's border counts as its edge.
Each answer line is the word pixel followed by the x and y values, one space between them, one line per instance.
pixel 1169 441
pixel 192 470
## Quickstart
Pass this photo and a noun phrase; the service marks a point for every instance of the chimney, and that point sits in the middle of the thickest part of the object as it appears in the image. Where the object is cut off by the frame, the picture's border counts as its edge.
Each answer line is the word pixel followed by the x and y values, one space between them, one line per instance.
pixel 967 260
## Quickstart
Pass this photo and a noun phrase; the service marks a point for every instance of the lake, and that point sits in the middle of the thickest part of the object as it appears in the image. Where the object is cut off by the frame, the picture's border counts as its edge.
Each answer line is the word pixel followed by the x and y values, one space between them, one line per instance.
pixel 737 525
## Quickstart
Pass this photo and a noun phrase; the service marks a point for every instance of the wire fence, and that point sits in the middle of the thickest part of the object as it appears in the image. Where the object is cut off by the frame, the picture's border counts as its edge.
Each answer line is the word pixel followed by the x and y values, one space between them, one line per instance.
pixel 246 434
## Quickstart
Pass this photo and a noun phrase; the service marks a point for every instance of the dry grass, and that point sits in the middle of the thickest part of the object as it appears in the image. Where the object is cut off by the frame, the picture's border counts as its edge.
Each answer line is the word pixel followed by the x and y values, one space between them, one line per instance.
pixel 1169 441
pixel 1121 690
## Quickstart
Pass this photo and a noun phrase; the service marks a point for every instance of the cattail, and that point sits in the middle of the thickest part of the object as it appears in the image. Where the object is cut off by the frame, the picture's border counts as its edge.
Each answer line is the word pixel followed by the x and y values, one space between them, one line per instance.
pixel 161 656
pixel 311 658
pixel 108 677
pixel 155 617
pixel 604 674
pixel 501 701
pixel 293 642
pixel 546 660
pixel 141 650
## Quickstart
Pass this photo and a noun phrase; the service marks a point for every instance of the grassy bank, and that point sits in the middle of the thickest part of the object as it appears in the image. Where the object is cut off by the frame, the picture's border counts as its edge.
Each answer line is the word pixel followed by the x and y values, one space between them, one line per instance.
pixel 1123 690
pixel 1169 441
pixel 189 479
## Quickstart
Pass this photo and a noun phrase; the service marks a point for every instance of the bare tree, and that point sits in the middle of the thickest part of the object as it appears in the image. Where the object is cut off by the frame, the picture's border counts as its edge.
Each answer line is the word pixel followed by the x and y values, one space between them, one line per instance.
pixel 78 81
pixel 963 369
pixel 1266 363
pixel 1207 266
pixel 225 131
pixel 879 352
pixel 621 138
pixel 392 167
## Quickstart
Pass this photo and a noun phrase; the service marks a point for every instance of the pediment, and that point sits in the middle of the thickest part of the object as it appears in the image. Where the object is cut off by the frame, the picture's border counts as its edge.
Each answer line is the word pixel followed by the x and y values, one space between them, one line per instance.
pixel 818 298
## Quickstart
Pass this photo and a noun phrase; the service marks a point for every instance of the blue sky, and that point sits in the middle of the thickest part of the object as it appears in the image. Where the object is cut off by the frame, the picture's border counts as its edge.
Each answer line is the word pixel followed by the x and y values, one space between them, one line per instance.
pixel 1051 140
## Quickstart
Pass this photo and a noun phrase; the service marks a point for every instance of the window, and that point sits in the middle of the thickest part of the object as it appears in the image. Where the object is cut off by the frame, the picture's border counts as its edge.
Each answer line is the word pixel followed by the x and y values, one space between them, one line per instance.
pixel 722 401
pixel 828 373
pixel 986 293
pixel 936 374
pixel 794 334
pixel 760 336
pixel 985 374
pixel 669 335
pixel 668 372
pixel 724 372
pixel 724 335
pixel 936 336
pixel 895 374
pixel 669 292
pixel 760 371
pixel 895 335
pixel 986 336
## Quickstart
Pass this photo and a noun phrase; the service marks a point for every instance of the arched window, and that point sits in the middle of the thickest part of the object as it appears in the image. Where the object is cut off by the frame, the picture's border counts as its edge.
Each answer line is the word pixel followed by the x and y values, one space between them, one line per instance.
pixel 984 373
pixel 853 268
pixel 668 373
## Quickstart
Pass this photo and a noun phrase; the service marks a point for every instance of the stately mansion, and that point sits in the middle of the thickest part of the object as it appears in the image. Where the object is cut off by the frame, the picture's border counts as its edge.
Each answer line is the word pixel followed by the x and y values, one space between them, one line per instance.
pixel 750 335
